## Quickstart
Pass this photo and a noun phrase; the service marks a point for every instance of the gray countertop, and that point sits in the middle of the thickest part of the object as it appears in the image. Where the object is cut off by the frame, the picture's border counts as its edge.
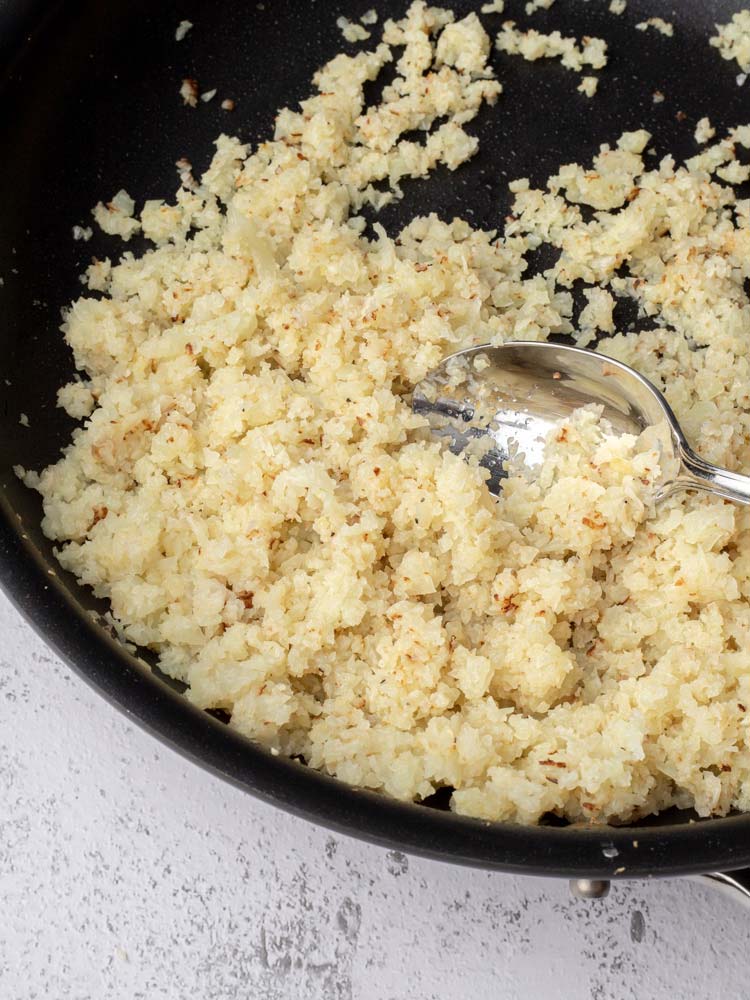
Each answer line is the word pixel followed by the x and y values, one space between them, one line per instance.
pixel 127 873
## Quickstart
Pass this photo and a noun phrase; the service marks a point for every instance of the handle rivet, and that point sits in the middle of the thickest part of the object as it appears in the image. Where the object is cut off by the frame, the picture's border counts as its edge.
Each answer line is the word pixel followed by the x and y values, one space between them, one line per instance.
pixel 589 888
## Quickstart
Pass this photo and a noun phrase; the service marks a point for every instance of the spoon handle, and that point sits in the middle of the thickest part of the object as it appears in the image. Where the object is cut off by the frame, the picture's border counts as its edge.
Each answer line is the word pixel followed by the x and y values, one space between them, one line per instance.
pixel 697 474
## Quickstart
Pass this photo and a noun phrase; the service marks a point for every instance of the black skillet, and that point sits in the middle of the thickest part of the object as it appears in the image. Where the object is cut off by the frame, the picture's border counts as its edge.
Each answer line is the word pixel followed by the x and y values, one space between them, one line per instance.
pixel 88 104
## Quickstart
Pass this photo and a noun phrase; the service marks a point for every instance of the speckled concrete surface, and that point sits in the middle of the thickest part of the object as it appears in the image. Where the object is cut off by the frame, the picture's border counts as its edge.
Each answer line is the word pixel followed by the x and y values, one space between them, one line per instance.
pixel 127 873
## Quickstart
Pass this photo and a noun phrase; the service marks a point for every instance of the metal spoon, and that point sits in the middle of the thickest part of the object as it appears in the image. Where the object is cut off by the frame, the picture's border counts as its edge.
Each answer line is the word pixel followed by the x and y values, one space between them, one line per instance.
pixel 518 392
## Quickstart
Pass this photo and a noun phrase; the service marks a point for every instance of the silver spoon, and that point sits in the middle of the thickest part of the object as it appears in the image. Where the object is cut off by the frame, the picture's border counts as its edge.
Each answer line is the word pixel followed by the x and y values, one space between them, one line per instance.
pixel 518 392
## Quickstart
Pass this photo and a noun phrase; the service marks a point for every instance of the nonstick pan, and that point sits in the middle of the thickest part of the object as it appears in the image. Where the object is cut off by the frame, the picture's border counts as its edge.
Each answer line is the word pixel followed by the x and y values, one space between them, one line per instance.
pixel 89 103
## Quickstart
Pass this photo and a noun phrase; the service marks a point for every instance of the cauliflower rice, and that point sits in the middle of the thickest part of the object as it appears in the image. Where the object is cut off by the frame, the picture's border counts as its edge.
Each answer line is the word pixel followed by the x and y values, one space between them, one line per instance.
pixel 252 493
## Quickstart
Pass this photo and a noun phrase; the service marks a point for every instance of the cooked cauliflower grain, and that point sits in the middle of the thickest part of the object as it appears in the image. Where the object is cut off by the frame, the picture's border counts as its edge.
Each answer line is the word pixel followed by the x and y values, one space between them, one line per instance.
pixel 533 45
pixel 658 24
pixel 534 5
pixel 588 85
pixel 116 217
pixel 351 31
pixel 189 92
pixel 704 131
pixel 182 29
pixel 733 40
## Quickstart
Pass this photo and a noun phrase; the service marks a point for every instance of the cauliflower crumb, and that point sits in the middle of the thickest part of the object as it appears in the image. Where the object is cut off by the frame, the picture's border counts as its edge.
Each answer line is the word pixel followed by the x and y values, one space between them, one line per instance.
pixel 182 29
pixel 617 6
pixel 369 17
pixel 208 95
pixel 82 233
pixel 352 32
pixel 27 477
pixel 733 40
pixel 465 45
pixel 228 104
pixel 734 173
pixel 493 7
pixel 185 172
pixel 704 131
pixel 97 275
pixel 588 85
pixel 533 45
pixel 658 24
pixel 77 399
pixel 23 420
pixel 189 92
pixel 613 179
pixel 116 216
pixel 657 97
pixel 596 317
pixel 534 5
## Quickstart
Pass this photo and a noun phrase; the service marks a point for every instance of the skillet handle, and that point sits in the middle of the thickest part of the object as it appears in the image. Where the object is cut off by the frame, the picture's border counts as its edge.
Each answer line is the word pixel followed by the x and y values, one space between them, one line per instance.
pixel 734 885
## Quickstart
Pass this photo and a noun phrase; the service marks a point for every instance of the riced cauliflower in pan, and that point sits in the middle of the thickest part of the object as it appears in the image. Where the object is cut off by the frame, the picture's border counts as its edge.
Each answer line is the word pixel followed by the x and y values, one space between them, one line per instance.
pixel 250 489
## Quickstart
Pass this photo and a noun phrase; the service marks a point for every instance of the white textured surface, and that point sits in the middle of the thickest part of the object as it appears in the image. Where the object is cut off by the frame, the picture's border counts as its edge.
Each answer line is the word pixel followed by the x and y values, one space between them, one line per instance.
pixel 127 873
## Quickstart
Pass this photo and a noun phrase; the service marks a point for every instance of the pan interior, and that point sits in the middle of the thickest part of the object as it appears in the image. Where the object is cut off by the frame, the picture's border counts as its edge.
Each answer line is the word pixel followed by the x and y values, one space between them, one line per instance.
pixel 90 104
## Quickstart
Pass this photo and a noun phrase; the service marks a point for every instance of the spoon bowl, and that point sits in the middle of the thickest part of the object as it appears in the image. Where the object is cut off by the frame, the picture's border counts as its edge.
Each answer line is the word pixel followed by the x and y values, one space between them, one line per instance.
pixel 513 396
